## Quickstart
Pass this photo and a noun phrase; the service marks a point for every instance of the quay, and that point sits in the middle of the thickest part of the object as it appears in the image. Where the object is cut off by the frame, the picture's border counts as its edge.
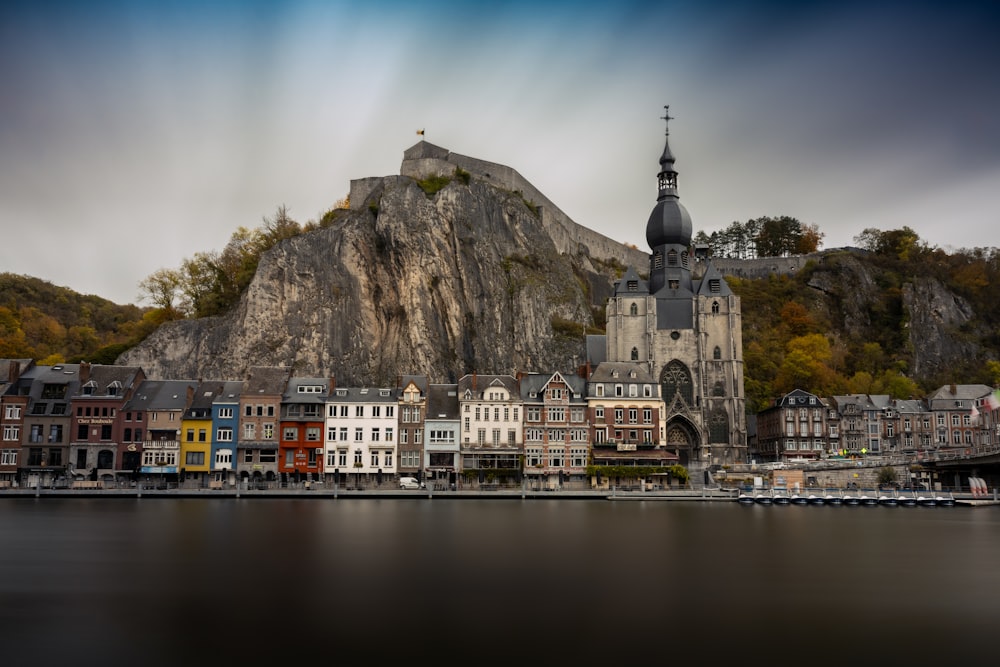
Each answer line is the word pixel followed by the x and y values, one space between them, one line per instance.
pixel 321 493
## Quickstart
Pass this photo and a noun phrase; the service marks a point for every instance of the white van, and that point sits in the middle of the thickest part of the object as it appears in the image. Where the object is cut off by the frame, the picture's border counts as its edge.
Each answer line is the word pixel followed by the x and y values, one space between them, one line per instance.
pixel 410 483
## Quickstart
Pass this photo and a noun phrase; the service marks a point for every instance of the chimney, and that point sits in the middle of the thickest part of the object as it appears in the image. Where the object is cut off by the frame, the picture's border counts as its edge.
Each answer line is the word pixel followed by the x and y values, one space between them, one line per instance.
pixel 84 372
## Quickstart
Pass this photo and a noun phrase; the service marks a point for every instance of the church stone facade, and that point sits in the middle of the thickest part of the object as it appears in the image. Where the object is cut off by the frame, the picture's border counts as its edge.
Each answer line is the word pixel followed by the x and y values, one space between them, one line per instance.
pixel 684 324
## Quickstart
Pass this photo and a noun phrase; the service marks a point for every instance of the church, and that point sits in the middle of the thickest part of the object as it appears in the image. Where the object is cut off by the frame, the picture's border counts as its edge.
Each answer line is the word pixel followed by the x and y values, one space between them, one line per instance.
pixel 679 326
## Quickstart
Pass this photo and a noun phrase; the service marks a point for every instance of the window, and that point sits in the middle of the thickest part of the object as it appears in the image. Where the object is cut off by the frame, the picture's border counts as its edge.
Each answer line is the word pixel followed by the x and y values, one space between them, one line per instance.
pixel 342 457
pixel 717 352
pixel 359 411
pixel 534 414
pixel 357 458
pixel 358 435
pixel 223 458
pixel 313 434
pixel 633 416
pixel 105 431
pixel 225 413
pixel 377 411
pixel 290 433
pixel 35 435
pixel 599 391
pixel 247 456
pixel 8 457
pixel 599 413
pixel 342 434
pixel 647 415
pixel 557 414
pixel 376 433
pixel 188 436
pixel 390 411
pixel 268 456
pixel 13 412
pixel 388 434
pixel 11 433
pixel 249 431
pixel 224 435
pixel 195 459
pixel 374 458
pixel 269 431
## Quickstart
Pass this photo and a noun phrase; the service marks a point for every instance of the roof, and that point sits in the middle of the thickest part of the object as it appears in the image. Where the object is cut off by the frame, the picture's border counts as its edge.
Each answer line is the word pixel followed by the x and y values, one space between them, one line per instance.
pixel 104 376
pixel 631 283
pixel 364 395
pixel 295 390
pixel 479 384
pixel 623 372
pixel 165 395
pixel 263 380
pixel 420 381
pixel 442 401
pixel 597 349
pixel 533 385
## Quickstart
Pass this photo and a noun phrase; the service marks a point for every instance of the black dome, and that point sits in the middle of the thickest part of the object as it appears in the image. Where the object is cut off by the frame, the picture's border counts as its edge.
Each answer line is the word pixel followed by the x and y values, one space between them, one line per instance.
pixel 669 224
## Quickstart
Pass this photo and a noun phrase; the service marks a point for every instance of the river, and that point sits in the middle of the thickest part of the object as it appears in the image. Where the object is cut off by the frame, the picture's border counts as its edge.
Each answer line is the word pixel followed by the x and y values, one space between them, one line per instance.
pixel 245 581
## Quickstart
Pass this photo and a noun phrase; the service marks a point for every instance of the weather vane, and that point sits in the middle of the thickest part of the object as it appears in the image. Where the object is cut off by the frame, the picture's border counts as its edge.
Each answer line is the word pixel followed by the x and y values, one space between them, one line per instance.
pixel 667 117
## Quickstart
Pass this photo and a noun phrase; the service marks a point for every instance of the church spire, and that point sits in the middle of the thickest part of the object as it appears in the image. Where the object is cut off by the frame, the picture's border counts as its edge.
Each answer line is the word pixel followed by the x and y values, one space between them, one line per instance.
pixel 667 178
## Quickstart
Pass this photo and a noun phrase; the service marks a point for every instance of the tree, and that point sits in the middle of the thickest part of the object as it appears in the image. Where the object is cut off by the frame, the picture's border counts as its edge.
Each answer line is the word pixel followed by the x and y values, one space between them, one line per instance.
pixel 162 288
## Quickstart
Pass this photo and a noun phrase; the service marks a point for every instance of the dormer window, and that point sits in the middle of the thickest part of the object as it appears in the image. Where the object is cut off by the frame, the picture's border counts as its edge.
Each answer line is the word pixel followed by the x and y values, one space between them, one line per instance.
pixel 633 285
pixel 88 389
pixel 114 388
pixel 715 285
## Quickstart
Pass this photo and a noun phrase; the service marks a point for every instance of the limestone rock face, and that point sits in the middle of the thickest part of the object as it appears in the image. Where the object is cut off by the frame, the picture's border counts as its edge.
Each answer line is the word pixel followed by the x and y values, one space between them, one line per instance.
pixel 467 279
pixel 938 323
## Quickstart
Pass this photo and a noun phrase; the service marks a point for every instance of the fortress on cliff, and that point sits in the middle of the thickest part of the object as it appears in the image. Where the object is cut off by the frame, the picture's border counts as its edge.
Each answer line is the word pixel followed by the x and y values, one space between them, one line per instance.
pixel 424 159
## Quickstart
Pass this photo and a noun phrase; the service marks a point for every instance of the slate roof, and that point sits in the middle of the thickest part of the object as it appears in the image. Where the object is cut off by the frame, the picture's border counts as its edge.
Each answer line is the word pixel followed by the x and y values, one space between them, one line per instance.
pixel 442 401
pixel 266 380
pixel 479 383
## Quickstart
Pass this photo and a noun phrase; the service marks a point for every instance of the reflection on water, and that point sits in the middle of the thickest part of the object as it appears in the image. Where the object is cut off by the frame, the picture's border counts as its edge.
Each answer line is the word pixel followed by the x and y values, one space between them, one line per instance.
pixel 262 581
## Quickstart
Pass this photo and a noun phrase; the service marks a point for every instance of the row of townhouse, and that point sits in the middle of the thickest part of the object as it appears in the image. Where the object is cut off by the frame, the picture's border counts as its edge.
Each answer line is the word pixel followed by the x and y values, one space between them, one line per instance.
pixel 75 423
pixel 957 419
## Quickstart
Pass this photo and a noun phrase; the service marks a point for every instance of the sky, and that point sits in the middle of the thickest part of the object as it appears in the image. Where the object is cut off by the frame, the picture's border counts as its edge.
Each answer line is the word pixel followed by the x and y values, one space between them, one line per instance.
pixel 134 134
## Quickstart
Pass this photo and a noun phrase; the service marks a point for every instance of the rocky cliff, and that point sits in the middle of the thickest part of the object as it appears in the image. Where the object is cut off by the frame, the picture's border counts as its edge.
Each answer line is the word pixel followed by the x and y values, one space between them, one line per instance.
pixel 468 278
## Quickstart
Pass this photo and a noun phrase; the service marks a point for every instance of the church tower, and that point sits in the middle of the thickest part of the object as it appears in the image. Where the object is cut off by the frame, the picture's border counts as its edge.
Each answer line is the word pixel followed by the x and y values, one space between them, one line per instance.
pixel 684 324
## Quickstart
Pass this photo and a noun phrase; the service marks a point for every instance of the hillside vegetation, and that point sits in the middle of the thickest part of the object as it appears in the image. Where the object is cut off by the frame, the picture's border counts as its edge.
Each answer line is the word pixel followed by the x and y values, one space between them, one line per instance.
pixel 51 324
pixel 828 332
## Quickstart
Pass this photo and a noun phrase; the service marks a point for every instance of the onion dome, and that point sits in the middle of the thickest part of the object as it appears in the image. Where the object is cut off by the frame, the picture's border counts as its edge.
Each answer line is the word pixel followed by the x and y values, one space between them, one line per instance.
pixel 669 223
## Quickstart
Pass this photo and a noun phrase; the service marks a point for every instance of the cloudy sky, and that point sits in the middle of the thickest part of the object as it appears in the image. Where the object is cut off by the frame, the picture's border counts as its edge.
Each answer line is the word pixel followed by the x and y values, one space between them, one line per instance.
pixel 136 133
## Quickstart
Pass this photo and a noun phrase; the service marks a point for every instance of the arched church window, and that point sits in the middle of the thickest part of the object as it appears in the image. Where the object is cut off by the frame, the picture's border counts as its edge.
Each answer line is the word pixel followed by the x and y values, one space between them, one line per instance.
pixel 635 354
pixel 718 426
pixel 718 389
pixel 633 309
pixel 715 307
pixel 676 379
pixel 717 352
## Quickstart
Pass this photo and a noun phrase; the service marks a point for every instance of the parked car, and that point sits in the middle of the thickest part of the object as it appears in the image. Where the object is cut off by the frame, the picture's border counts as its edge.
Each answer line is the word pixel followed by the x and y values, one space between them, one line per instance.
pixel 410 483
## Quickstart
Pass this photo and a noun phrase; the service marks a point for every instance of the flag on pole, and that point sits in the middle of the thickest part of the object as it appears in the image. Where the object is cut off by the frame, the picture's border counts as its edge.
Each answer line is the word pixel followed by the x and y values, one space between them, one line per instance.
pixel 975 414
pixel 420 131
pixel 993 400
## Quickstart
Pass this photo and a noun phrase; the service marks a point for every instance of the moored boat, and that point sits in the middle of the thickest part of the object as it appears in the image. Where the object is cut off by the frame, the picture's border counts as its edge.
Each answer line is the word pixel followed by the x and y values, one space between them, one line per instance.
pixel 868 499
pixel 850 499
pixel 888 498
pixel 762 499
pixel 799 499
pixel 945 500
pixel 816 500
pixel 907 500
pixel 833 499
pixel 745 499
pixel 781 498
pixel 926 501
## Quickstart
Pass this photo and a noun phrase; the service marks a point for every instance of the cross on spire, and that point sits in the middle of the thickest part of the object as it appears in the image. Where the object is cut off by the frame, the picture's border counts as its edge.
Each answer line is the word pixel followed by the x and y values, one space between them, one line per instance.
pixel 666 117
